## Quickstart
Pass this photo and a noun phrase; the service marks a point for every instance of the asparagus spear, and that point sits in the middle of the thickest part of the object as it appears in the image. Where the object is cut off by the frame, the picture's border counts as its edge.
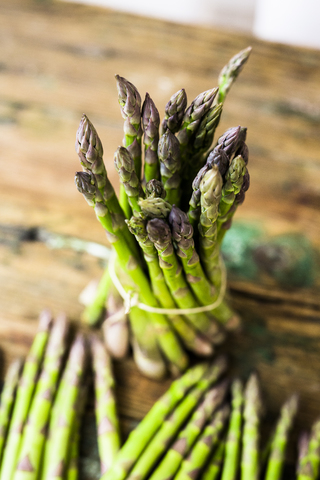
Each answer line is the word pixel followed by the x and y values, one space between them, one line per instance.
pixel 233 441
pixel 93 311
pixel 190 337
pixel 73 457
pixel 168 342
pixel 160 234
pixel 309 463
pixel 231 187
pixel 239 199
pixel 35 432
pixel 219 156
pixel 145 346
pixel 64 413
pixel 130 105
pixel 210 188
pixel 115 327
pixel 193 465
pixel 193 116
pixel 174 112
pixel 171 426
pixel 250 437
pixel 205 133
pixel 189 435
pixel 230 72
pixel 213 469
pixel 303 446
pixel 280 439
pixel 154 207
pixel 7 400
pixel 90 152
pixel 155 189
pixel 183 235
pixel 170 165
pixel 150 122
pixel 150 425
pixel 105 409
pixel 24 396
pixel 124 164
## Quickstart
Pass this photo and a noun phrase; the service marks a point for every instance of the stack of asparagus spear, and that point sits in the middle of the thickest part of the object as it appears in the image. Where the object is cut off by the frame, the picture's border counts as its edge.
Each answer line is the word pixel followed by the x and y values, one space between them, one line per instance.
pixel 204 427
pixel 167 227
pixel 203 430
pixel 42 403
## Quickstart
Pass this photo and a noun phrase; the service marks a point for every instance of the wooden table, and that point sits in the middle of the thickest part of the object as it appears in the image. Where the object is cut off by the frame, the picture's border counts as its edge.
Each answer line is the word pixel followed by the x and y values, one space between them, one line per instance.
pixel 58 60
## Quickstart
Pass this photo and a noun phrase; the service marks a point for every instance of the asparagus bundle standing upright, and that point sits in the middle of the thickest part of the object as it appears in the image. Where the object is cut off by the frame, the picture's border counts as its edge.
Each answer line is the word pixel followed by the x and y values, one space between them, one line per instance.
pixel 173 301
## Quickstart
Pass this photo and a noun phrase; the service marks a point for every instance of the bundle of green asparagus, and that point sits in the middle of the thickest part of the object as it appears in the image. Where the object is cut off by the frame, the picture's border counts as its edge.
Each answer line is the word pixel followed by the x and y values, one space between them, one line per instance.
pixel 42 406
pixel 203 428
pixel 200 431
pixel 167 227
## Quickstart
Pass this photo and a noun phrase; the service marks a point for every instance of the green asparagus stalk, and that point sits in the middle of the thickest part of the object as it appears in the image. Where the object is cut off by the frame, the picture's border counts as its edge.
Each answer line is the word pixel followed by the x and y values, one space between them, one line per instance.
pixel 231 187
pixel 7 401
pixel 230 72
pixel 150 123
pixel 207 127
pixel 155 189
pixel 216 462
pixel 239 199
pixel 200 144
pixel 182 233
pixel 73 467
pixel 233 441
pixel 115 327
pixel 193 116
pixel 310 463
pixel 192 466
pixel 170 165
pixel 130 105
pixel 35 432
pixel 228 142
pixel 174 112
pixel 73 457
pixel 250 438
pixel 106 415
pixel 189 435
pixel 168 342
pixel 189 336
pixel 303 447
pixel 219 156
pixel 160 234
pixel 150 425
pixel 64 413
pixel 146 351
pixel 93 312
pixel 24 396
pixel 154 207
pixel 171 426
pixel 280 439
pixel 90 152
pixel 124 164
pixel 210 187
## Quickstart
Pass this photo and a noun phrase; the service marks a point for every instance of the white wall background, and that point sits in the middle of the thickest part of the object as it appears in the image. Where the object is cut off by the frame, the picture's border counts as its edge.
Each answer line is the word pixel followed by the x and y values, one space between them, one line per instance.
pixel 295 22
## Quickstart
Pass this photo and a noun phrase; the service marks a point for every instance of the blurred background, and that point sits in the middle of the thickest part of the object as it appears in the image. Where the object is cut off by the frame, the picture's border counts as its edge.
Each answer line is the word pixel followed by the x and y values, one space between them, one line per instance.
pixel 294 22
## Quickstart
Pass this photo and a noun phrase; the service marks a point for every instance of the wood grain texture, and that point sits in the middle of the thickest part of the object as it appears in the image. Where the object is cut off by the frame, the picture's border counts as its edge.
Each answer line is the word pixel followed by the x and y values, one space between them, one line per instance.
pixel 58 60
